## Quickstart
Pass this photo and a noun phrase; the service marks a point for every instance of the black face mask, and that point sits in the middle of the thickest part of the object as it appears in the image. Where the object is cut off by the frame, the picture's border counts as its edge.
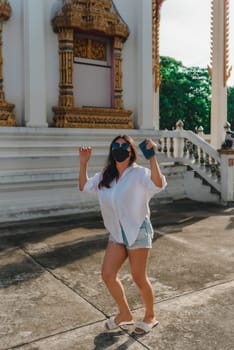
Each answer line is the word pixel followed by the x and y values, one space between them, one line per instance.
pixel 120 155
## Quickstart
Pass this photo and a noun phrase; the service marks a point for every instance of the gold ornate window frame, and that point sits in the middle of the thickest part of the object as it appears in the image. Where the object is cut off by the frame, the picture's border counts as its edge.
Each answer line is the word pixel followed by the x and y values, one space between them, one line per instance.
pixel 95 18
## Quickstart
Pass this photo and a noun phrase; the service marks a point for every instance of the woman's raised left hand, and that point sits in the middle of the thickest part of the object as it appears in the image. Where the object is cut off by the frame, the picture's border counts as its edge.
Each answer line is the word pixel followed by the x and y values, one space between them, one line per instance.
pixel 151 144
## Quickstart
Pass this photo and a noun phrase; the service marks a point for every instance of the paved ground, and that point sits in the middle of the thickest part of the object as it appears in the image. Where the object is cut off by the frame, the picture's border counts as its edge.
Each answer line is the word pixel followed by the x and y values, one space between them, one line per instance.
pixel 52 296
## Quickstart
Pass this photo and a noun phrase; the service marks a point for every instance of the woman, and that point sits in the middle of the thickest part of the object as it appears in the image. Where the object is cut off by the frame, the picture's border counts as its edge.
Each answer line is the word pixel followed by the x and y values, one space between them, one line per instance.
pixel 124 190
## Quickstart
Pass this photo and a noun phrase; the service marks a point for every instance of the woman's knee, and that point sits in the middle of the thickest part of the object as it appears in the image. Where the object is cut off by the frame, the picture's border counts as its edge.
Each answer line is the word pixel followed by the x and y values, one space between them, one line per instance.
pixel 139 279
pixel 108 275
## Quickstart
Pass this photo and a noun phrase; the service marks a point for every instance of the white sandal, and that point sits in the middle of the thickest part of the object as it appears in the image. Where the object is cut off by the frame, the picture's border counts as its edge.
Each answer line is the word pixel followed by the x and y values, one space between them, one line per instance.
pixel 111 324
pixel 145 327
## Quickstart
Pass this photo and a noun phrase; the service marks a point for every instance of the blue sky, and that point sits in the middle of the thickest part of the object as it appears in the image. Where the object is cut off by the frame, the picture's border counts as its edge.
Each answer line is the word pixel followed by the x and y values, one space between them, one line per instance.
pixel 185 32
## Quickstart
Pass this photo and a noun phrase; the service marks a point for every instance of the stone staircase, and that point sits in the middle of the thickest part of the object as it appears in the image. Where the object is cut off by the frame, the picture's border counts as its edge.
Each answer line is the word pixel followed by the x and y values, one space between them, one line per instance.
pixel 198 189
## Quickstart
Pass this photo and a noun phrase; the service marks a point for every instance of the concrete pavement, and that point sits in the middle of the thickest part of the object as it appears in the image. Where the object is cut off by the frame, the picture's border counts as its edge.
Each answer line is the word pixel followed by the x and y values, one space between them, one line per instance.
pixel 52 296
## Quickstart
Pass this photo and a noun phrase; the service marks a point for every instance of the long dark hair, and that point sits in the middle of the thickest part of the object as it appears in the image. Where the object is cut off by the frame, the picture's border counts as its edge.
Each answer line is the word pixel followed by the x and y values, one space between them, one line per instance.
pixel 110 171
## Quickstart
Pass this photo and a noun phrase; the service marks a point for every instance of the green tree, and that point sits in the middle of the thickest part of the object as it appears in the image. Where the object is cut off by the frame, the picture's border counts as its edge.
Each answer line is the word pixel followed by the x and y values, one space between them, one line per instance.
pixel 230 96
pixel 185 93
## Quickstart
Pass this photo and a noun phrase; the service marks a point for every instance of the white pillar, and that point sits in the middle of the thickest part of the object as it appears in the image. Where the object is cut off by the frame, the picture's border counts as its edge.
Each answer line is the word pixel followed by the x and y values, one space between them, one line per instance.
pixel 156 106
pixel 219 90
pixel 227 175
pixel 146 118
pixel 34 64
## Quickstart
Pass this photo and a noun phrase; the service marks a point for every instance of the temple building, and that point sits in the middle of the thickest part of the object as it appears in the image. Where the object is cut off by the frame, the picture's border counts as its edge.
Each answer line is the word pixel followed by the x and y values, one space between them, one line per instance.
pixel 79 63
pixel 86 71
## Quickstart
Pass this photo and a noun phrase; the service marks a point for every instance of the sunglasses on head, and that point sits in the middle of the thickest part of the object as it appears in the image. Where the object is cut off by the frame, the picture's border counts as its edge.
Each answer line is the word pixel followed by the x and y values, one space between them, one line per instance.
pixel 116 145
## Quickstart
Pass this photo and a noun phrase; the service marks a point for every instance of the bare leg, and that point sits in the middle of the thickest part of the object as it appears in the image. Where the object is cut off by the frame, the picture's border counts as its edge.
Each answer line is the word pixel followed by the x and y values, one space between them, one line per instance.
pixel 138 262
pixel 115 256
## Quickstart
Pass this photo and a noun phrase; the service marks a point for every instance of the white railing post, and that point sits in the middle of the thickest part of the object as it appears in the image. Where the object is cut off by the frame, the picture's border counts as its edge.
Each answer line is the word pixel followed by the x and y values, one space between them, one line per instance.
pixel 227 174
pixel 200 132
pixel 179 141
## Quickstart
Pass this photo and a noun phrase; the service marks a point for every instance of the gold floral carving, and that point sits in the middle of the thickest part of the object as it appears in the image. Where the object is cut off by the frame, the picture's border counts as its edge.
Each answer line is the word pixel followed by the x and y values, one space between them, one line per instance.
pixel 88 117
pixel 88 17
pixel 98 50
pixel 81 47
pixel 90 49
pixel 7 118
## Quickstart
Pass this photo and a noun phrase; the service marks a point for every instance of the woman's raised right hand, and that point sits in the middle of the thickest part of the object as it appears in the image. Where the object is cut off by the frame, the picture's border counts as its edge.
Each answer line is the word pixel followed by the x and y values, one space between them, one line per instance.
pixel 85 154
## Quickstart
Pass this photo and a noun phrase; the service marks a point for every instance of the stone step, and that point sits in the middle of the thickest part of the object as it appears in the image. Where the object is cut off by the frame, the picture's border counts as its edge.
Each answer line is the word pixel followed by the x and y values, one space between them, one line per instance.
pixel 196 189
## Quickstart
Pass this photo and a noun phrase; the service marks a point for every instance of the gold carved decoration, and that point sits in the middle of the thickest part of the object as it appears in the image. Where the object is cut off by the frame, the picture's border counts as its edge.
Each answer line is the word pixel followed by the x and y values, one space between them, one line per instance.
pixel 99 50
pixel 81 48
pixel 118 101
pixel 209 67
pixel 91 16
pixel 89 117
pixel 156 5
pixel 90 49
pixel 65 37
pixel 96 18
pixel 7 118
pixel 226 68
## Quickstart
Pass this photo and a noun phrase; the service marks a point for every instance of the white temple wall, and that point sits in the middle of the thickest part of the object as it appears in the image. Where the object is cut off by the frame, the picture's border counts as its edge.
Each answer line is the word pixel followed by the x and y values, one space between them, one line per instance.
pixel 14 58
pixel 137 61
pixel 128 11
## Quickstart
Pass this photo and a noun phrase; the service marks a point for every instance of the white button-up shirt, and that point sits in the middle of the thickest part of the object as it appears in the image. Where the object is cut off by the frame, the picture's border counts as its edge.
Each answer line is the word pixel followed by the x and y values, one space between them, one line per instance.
pixel 126 202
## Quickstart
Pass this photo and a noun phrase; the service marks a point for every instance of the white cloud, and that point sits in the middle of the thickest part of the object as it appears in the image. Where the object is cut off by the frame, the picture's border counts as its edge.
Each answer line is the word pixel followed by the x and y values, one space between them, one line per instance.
pixel 185 32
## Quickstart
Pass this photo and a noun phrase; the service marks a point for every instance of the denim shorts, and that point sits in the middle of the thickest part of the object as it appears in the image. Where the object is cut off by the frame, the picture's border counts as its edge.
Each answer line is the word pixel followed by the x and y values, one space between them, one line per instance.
pixel 144 237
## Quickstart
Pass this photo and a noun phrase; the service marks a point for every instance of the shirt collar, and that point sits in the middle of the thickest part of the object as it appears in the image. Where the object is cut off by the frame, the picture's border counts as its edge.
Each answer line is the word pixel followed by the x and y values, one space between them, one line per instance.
pixel 128 169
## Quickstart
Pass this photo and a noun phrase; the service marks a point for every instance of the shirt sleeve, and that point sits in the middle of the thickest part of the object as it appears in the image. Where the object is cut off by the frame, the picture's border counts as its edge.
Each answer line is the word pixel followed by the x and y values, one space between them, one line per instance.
pixel 91 185
pixel 150 187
